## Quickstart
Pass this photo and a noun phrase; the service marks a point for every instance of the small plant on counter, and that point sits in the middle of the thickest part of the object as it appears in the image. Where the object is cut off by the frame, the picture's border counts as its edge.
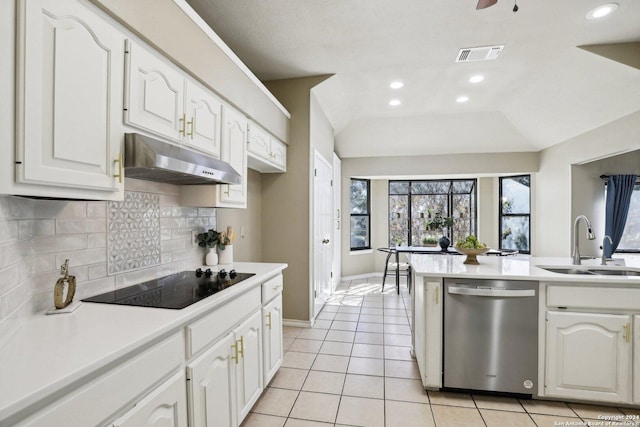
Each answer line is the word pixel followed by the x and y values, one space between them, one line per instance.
pixel 226 238
pixel 208 239
pixel 429 240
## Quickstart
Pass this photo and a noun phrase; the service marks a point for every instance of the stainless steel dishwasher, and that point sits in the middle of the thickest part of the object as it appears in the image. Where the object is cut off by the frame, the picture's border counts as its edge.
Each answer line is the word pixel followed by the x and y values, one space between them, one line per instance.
pixel 491 335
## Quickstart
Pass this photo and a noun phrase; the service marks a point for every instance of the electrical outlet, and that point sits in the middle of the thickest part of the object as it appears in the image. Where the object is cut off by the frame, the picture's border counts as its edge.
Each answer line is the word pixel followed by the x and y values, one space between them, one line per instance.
pixel 194 237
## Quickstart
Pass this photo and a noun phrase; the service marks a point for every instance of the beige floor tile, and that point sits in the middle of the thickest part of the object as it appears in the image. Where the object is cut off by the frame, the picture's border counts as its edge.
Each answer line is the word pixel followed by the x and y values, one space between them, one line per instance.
pixel 408 414
pixel 343 336
pixel 394 312
pixel 324 382
pixel 275 401
pixel 289 378
pixel 337 348
pixel 498 403
pixel 405 390
pixel 398 340
pixel 401 369
pixel 326 315
pixel 261 420
pixel 547 407
pixel 312 334
pixel 593 411
pixel 366 366
pixel 396 320
pixel 292 422
pixel 370 327
pixel 372 304
pixel 397 353
pixel 553 420
pixel 316 407
pixel 372 310
pixel 349 309
pixel 371 318
pixel 347 317
pixel 359 411
pixel 330 363
pixel 364 386
pixel 630 411
pixel 305 346
pixel 322 324
pixel 397 329
pixel 294 359
pixel 368 350
pixel 330 308
pixel 286 343
pixel 339 325
pixel 290 331
pixel 453 416
pixel 452 399
pixel 369 338
pixel 504 418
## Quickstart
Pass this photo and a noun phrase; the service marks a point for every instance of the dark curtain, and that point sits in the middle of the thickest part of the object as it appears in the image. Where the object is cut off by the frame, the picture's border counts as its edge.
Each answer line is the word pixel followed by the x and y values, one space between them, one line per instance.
pixel 619 190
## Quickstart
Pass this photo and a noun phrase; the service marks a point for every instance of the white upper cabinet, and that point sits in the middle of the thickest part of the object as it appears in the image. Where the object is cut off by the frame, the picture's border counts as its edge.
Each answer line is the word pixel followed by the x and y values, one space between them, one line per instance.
pixel 266 154
pixel 160 99
pixel 233 150
pixel 70 76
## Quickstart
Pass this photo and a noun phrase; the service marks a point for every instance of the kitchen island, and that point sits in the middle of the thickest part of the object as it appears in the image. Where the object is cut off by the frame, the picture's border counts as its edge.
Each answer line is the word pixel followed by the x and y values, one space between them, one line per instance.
pixel 588 324
pixel 106 364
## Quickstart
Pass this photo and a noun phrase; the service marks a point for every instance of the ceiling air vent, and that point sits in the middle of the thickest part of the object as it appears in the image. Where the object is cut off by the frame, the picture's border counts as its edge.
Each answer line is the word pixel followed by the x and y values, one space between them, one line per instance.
pixel 484 53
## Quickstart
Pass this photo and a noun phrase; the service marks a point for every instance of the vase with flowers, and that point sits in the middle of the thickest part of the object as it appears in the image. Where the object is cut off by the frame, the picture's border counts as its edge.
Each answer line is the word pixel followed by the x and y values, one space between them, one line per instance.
pixel 225 246
pixel 209 240
pixel 437 222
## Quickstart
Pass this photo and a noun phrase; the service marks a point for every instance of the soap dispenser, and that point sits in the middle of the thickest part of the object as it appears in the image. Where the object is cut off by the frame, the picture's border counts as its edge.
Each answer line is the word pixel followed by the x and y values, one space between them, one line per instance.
pixel 67 281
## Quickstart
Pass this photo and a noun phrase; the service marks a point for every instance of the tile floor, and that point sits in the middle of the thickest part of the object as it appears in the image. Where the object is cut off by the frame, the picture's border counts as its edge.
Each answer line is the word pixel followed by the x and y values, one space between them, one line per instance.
pixel 353 368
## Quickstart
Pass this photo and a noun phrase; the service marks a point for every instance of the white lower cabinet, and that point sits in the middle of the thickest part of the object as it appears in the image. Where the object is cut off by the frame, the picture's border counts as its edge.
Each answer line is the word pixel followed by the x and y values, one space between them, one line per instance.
pixel 428 330
pixel 226 380
pixel 166 406
pixel 272 337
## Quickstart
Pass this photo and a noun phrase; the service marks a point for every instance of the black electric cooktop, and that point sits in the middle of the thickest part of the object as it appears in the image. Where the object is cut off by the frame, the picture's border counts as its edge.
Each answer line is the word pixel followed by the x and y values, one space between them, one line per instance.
pixel 175 291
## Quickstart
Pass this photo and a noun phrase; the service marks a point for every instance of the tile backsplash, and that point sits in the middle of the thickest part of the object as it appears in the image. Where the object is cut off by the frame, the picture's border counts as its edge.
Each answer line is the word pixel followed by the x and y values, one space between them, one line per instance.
pixel 110 245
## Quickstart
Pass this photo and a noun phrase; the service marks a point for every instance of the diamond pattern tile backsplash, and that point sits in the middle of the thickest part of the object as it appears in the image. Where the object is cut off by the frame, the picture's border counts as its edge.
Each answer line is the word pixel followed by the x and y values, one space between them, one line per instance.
pixel 133 232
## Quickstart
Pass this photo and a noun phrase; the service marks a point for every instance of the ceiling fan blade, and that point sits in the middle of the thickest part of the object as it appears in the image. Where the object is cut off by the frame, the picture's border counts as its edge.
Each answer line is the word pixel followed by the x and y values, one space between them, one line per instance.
pixel 482 4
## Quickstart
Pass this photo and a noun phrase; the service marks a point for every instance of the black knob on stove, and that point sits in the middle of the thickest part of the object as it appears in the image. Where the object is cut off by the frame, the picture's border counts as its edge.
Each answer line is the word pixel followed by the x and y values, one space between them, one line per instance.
pixel 233 274
pixel 199 272
pixel 208 273
pixel 222 273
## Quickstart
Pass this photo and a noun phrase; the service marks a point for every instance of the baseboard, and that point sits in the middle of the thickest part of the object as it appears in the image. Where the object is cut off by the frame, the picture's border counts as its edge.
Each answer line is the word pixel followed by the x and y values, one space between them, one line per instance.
pixel 297 323
pixel 362 276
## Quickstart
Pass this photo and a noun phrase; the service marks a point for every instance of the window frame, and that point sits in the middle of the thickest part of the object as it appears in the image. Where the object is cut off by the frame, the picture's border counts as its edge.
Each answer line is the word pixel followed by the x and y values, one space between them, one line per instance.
pixel 367 215
pixel 501 215
pixel 618 250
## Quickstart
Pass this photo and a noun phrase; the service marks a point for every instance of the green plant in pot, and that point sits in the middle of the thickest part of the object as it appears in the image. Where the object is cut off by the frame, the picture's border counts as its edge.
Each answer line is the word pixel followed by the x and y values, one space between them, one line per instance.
pixel 437 222
pixel 429 241
pixel 209 240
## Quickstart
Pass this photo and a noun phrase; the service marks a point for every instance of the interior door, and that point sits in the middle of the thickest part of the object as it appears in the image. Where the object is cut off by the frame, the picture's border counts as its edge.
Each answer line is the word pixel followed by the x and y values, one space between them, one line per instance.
pixel 337 223
pixel 322 231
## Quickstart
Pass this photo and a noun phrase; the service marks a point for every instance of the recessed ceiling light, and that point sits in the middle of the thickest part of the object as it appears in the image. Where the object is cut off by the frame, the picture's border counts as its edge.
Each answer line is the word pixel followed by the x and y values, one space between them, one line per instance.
pixel 396 85
pixel 476 79
pixel 462 99
pixel 601 11
pixel 395 102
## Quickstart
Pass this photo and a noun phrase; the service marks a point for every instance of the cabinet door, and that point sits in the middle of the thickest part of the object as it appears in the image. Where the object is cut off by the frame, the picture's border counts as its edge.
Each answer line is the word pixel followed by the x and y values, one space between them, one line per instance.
pixel 166 406
pixel 154 98
pixel 249 368
pixel 71 63
pixel 234 151
pixel 272 337
pixel 259 142
pixel 212 386
pixel 635 339
pixel 279 154
pixel 204 117
pixel 588 356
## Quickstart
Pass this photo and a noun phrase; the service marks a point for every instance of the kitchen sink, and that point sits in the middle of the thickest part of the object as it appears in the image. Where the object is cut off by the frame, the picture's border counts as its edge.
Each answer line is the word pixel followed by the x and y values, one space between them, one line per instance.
pixel 595 270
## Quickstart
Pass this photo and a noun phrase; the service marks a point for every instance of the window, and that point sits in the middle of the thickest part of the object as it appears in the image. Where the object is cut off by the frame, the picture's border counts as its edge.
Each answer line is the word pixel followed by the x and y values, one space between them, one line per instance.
pixel 515 213
pixel 630 241
pixel 360 214
pixel 413 203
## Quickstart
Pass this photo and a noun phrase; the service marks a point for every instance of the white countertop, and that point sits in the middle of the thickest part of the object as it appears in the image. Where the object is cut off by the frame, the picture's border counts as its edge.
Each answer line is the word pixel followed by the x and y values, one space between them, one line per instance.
pixel 513 267
pixel 48 352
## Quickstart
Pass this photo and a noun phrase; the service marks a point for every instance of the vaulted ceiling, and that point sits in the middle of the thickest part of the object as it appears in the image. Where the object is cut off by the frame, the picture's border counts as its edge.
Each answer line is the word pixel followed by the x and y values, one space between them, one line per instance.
pixel 541 90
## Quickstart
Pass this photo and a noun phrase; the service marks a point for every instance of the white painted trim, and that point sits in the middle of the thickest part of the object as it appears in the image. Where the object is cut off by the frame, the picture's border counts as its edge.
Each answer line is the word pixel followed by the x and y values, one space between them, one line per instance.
pixel 362 252
pixel 297 323
pixel 361 276
pixel 193 15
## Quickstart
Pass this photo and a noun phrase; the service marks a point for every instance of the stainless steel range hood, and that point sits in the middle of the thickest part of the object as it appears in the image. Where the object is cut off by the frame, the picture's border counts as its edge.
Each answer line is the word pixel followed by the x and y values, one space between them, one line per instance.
pixel 152 160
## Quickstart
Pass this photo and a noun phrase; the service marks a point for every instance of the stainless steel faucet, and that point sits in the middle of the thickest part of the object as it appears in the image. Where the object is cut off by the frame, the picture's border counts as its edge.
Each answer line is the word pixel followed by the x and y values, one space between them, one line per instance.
pixel 604 259
pixel 576 242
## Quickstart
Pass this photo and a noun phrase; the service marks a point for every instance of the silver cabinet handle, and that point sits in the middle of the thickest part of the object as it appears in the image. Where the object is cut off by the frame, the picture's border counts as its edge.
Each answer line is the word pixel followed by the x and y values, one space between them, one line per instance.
pixel 492 292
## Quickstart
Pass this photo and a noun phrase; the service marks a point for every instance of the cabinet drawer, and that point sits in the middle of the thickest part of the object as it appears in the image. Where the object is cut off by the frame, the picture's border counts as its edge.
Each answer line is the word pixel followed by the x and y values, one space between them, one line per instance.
pixel 98 400
pixel 271 288
pixel 205 331
pixel 592 297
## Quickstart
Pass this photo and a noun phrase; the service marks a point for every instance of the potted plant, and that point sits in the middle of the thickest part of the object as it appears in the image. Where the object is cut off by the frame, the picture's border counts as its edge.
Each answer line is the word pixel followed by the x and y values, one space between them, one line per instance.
pixel 437 222
pixel 429 241
pixel 225 246
pixel 209 240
